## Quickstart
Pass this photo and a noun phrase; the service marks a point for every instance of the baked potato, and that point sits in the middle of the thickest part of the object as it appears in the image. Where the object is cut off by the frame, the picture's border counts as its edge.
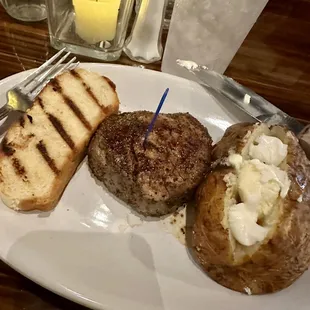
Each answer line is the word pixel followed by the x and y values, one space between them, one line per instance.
pixel 252 232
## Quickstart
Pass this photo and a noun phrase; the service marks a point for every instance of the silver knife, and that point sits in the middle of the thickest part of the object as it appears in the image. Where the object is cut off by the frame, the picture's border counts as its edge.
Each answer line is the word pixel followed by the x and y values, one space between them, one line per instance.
pixel 247 100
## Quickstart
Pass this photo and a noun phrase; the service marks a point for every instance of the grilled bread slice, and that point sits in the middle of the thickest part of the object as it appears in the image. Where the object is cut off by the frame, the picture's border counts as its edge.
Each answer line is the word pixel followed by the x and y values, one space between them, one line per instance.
pixel 41 152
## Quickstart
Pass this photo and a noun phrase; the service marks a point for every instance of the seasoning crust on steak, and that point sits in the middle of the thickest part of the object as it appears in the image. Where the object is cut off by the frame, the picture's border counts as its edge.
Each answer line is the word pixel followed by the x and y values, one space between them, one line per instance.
pixel 157 177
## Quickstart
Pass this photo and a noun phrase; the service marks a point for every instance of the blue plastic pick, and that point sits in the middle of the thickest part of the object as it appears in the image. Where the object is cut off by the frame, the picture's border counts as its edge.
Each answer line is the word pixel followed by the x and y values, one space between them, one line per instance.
pixel 151 125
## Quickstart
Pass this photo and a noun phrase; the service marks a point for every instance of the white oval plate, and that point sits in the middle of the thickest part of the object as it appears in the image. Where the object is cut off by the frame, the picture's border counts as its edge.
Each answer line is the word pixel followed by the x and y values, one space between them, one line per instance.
pixel 85 251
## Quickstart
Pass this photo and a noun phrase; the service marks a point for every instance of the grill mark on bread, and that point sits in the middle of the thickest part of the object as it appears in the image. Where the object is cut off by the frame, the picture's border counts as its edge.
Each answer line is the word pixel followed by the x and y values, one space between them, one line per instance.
pixel 75 74
pixel 61 130
pixel 87 87
pixel 110 82
pixel 41 102
pixel 30 118
pixel 58 126
pixel 22 121
pixel 56 87
pixel 75 109
pixel 18 167
pixel 7 149
pixel 77 112
pixel 50 161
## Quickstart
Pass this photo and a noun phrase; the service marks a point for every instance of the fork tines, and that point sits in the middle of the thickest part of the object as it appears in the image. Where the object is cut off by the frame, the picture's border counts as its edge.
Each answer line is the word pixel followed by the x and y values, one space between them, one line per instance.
pixel 34 83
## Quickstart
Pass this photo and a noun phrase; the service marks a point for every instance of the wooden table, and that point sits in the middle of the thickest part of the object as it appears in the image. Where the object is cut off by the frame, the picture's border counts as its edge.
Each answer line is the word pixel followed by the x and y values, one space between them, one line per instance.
pixel 274 61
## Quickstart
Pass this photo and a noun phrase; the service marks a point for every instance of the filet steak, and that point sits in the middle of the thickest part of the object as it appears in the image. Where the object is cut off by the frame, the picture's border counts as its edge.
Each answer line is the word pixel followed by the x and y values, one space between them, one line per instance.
pixel 158 177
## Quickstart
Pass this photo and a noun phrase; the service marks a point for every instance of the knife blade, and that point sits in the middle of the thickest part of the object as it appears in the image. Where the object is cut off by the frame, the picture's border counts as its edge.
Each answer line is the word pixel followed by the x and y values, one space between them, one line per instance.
pixel 245 99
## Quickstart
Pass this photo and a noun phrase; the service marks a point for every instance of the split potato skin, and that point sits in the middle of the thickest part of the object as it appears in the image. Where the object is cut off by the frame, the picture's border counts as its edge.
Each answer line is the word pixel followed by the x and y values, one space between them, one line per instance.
pixel 284 255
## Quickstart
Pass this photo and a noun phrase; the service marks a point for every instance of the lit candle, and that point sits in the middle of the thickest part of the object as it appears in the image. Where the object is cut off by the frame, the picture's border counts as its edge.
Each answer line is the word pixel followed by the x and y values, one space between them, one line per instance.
pixel 96 20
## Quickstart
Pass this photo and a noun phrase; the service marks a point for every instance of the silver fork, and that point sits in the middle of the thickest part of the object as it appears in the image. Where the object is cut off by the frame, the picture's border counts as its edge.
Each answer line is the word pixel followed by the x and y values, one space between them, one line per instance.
pixel 21 96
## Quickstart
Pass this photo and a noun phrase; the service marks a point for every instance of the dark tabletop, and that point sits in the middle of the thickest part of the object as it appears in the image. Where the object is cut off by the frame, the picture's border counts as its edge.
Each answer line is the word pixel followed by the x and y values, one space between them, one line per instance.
pixel 274 61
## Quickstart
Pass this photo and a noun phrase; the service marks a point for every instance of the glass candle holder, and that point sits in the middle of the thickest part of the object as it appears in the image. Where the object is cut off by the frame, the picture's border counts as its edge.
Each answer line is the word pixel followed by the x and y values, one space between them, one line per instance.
pixel 94 28
pixel 25 10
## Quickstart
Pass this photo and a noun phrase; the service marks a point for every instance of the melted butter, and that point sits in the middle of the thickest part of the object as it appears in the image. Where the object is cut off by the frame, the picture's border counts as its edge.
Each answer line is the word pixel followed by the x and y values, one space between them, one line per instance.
pixel 259 186
pixel 268 150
